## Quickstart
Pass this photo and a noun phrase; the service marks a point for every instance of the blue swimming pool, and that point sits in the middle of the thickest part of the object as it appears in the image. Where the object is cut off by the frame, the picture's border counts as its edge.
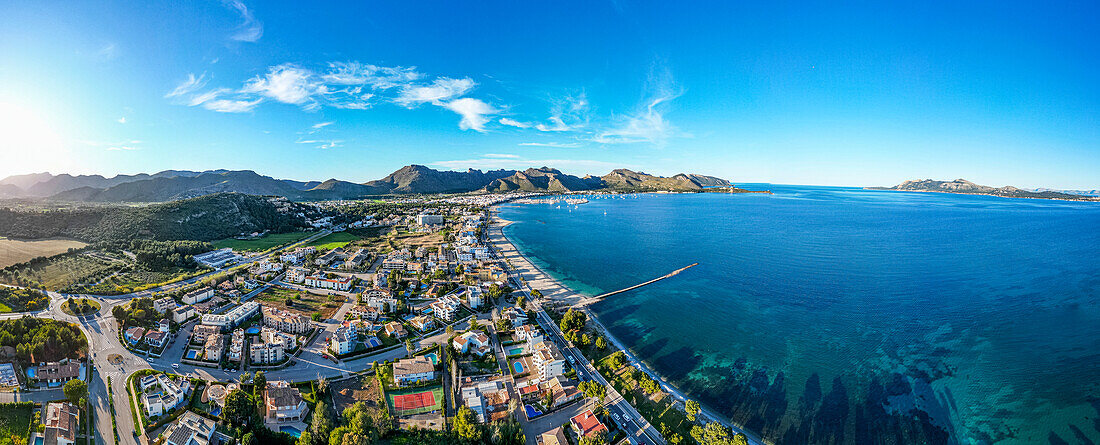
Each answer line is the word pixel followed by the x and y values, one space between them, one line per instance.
pixel 252 330
pixel 38 440
pixel 291 430
pixel 518 367
pixel 515 351
pixel 191 353
pixel 434 358
pixel 531 411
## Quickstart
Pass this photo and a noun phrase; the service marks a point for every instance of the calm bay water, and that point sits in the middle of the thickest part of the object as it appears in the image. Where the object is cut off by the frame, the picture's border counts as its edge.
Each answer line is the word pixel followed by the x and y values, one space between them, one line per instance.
pixel 839 315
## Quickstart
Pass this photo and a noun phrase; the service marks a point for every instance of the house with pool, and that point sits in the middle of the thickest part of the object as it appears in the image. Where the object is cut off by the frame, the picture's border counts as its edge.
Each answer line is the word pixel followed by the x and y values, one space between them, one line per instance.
pixel 284 403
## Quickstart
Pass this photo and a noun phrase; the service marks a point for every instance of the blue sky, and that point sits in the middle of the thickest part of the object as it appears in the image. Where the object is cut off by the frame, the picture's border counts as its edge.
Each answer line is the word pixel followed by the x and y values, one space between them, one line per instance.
pixel 859 94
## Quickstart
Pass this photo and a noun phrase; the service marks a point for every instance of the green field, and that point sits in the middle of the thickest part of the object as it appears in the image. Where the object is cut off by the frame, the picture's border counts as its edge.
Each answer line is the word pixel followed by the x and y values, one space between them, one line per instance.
pixel 262 243
pixel 15 421
pixel 333 240
pixel 436 391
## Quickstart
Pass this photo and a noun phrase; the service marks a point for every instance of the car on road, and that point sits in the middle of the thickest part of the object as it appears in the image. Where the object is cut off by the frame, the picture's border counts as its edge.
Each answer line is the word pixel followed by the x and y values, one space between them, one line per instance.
pixel 571 361
pixel 175 365
pixel 616 416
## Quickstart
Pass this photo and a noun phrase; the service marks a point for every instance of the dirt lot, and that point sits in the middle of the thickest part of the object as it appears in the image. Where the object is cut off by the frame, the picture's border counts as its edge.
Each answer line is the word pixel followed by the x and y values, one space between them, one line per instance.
pixel 363 389
pixel 305 303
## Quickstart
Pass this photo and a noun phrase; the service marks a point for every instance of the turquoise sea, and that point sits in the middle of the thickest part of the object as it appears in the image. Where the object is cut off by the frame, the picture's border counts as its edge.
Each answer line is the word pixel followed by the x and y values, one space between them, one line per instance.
pixel 841 315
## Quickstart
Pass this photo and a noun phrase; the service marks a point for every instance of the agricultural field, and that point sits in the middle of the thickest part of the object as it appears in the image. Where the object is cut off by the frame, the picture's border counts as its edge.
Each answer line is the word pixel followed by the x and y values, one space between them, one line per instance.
pixel 262 243
pixel 63 271
pixel 304 302
pixel 334 240
pixel 13 251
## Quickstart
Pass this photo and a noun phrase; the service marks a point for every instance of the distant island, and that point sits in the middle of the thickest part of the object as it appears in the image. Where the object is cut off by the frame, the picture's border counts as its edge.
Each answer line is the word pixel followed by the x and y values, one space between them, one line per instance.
pixel 172 185
pixel 962 186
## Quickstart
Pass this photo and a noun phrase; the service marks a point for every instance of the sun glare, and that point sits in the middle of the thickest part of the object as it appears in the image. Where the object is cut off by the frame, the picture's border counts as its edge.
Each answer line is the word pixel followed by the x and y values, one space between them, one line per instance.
pixel 27 142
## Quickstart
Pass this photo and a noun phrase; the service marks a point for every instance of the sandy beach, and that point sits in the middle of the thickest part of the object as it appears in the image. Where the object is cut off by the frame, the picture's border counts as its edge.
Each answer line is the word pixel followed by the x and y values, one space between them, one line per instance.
pixel 553 290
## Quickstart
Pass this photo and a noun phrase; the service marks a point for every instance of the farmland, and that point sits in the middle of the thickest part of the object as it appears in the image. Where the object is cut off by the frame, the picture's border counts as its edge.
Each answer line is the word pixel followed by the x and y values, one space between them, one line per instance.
pixel 260 244
pixel 13 251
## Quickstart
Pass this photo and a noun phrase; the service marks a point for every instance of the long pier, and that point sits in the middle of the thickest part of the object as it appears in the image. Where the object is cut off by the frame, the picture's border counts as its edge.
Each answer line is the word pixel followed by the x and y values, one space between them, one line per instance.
pixel 628 289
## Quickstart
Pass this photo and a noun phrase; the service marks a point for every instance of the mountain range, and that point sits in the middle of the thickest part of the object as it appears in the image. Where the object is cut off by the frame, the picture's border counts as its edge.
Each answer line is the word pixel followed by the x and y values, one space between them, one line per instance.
pixel 171 185
pixel 963 186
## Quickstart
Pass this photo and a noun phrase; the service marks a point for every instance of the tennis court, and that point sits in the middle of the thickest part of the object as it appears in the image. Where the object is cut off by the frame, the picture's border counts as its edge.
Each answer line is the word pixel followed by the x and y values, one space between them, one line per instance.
pixel 405 403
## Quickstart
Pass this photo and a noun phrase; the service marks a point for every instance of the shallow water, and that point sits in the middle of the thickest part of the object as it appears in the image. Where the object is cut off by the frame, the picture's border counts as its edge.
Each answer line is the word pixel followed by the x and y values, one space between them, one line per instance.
pixel 839 315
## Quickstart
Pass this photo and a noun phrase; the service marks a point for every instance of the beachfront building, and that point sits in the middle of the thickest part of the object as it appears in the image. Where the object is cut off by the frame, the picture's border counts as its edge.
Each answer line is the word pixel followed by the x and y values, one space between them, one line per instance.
pixel 232 318
pixel 286 321
pixel 190 429
pixel 515 316
pixel 61 420
pixel 284 403
pixel 413 370
pixel 548 359
pixel 337 283
pixel 474 342
pixel 528 333
pixel 198 295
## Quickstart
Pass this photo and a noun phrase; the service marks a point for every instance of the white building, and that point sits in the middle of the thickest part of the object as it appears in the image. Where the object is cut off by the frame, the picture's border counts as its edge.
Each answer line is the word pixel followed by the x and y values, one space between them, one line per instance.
pixel 343 341
pixel 182 313
pixel 529 334
pixel 163 305
pixel 474 297
pixel 427 219
pixel 473 341
pixel 236 345
pixel 296 274
pixel 162 394
pixel 549 362
pixel 284 403
pixel 446 306
pixel 232 318
pixel 217 258
pixel 198 295
pixel 412 370
pixel 338 283
pixel 271 347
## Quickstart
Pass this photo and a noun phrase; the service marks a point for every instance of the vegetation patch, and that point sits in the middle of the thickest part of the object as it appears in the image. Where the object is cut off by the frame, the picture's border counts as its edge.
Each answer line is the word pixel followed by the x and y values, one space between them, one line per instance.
pixel 22 300
pixel 80 306
pixel 42 339
pixel 334 240
pixel 260 244
pixel 15 422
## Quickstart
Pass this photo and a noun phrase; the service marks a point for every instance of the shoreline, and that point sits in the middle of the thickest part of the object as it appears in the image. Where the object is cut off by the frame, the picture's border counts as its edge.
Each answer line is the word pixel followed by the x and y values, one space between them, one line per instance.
pixel 552 289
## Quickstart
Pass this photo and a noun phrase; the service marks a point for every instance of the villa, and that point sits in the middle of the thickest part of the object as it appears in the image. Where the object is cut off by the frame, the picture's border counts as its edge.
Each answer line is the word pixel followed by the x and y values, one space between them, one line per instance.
pixel 423 323
pixel 555 436
pixel 134 335
pixel 528 333
pixel 171 394
pixel 473 341
pixel 62 421
pixel 190 429
pixel 55 373
pixel 156 339
pixel 283 402
pixel 412 370
pixel 488 400
pixel 586 424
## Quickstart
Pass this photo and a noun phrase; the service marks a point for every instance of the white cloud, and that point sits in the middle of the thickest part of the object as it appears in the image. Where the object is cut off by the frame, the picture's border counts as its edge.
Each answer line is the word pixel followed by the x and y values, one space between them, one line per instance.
pixel 188 86
pixel 558 125
pixel 441 90
pixel 108 51
pixel 250 29
pixel 474 113
pixel 321 143
pixel 286 84
pixel 551 144
pixel 122 120
pixel 378 77
pixel 514 123
pixel 230 105
pixel 500 156
pixel 321 125
pixel 122 148
pixel 647 124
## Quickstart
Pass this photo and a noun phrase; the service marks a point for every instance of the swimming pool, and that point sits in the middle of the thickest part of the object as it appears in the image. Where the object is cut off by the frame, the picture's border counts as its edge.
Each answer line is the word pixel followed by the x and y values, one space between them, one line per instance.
pixel 434 358
pixel 252 330
pixel 38 440
pixel 515 351
pixel 291 430
pixel 518 367
pixel 531 412
pixel 192 353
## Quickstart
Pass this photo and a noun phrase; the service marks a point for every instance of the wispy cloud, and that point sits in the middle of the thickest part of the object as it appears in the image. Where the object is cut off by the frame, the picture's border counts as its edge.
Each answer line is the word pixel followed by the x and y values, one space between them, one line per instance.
pixel 514 123
pixel 321 125
pixel 378 77
pixel 121 120
pixel 321 143
pixel 474 113
pixel 123 147
pixel 108 51
pixel 230 105
pixel 439 91
pixel 188 86
pixel 551 144
pixel 500 156
pixel 250 29
pixel 648 123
